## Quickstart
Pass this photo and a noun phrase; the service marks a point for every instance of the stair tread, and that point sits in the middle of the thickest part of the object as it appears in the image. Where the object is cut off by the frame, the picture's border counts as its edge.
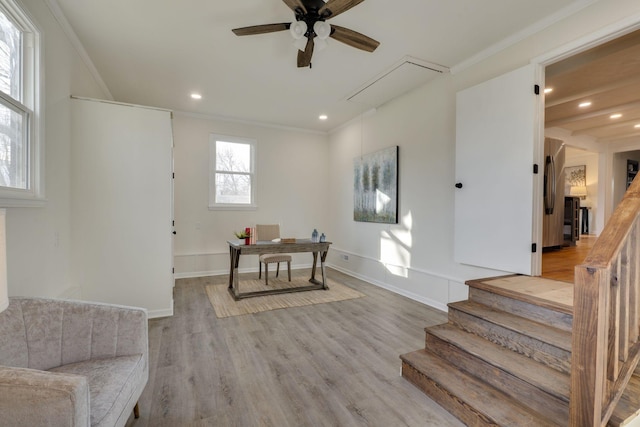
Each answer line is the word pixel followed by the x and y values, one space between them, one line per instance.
pixel 629 404
pixel 549 334
pixel 494 404
pixel 548 293
pixel 543 377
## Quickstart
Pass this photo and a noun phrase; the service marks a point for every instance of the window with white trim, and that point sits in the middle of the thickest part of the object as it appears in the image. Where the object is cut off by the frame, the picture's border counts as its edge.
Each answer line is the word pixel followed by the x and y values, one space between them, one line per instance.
pixel 232 172
pixel 20 151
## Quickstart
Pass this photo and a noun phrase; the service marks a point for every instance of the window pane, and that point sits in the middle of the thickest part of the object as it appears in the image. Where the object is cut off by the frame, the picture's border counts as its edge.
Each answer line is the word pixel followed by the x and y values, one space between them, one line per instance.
pixel 233 157
pixel 233 188
pixel 13 150
pixel 10 58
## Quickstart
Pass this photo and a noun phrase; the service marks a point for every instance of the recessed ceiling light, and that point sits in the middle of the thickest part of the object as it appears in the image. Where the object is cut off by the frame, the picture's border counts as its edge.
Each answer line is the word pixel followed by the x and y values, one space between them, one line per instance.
pixel 323 117
pixel 196 96
pixel 637 126
pixel 584 104
pixel 615 116
pixel 548 90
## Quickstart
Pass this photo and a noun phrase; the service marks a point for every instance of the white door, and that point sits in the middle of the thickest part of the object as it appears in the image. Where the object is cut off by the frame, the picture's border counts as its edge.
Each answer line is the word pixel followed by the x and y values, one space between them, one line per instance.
pixel 121 207
pixel 495 145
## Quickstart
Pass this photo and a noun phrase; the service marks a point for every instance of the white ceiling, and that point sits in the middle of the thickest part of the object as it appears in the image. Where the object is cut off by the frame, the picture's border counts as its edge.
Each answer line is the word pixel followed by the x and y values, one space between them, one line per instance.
pixel 606 76
pixel 156 52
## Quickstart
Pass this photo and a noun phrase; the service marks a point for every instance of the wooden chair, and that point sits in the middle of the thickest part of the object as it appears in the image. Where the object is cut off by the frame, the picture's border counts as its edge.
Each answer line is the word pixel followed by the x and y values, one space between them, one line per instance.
pixel 268 232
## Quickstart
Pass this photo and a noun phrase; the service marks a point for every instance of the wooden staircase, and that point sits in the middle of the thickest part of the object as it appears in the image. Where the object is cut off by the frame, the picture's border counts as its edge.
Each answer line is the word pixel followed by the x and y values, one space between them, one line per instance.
pixel 504 357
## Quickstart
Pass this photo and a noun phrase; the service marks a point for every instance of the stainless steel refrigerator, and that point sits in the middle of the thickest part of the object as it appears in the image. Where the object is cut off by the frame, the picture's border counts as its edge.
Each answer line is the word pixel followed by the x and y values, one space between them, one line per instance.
pixel 553 220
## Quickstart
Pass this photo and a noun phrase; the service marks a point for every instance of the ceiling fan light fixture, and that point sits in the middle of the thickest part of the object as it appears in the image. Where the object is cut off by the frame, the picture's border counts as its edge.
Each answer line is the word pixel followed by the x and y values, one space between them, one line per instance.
pixel 298 29
pixel 320 44
pixel 300 43
pixel 322 29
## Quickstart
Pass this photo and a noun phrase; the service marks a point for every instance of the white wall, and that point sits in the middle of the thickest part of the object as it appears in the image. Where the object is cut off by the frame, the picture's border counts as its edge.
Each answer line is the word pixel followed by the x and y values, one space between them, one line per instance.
pixel 38 239
pixel 415 257
pixel 576 157
pixel 620 173
pixel 293 186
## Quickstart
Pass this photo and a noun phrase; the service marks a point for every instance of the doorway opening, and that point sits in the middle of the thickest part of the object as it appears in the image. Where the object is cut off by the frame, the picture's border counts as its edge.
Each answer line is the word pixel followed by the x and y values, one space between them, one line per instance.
pixel 592 104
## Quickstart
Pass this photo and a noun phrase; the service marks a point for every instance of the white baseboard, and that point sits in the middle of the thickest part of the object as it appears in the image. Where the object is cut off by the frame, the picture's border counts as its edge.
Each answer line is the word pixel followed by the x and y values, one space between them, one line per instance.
pixel 167 312
pixel 396 290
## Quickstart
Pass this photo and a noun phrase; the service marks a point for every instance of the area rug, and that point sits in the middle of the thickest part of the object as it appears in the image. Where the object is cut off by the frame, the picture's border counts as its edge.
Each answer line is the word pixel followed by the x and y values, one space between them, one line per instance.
pixel 225 306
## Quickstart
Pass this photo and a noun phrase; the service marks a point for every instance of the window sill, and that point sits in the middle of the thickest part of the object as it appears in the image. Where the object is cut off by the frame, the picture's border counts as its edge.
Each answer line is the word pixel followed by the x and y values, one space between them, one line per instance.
pixel 233 207
pixel 22 203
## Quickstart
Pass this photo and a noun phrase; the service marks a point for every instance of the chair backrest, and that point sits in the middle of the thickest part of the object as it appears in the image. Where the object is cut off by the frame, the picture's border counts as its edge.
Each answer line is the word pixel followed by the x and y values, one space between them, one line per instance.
pixel 267 231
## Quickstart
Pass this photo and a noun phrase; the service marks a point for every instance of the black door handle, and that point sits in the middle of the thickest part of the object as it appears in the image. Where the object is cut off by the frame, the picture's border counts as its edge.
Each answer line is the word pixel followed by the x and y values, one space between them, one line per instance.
pixel 459 185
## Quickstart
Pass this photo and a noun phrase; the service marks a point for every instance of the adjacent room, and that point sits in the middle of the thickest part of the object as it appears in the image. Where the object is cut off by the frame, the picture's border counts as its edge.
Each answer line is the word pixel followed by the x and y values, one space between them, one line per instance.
pixel 310 212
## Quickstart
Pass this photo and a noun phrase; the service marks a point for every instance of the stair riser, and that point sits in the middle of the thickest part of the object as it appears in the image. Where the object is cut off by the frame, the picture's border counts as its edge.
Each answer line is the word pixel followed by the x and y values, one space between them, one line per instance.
pixel 520 390
pixel 533 312
pixel 457 407
pixel 539 351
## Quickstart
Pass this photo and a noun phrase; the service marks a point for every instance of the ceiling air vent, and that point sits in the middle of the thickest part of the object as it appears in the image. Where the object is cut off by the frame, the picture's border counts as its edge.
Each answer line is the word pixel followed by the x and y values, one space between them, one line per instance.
pixel 404 76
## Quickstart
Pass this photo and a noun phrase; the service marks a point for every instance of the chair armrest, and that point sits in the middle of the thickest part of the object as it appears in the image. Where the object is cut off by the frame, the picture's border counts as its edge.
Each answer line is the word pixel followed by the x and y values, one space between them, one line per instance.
pixel 29 397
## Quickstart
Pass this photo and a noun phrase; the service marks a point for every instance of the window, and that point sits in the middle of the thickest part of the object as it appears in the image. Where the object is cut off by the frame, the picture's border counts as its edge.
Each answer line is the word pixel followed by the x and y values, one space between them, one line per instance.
pixel 20 162
pixel 232 177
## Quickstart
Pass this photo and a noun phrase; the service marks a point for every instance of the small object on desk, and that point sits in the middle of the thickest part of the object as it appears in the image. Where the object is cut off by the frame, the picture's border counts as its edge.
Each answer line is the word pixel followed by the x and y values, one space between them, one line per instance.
pixel 288 240
pixel 323 238
pixel 314 236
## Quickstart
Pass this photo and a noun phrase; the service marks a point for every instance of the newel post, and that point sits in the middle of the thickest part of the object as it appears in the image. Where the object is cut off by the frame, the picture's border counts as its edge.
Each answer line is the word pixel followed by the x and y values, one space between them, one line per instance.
pixel 589 346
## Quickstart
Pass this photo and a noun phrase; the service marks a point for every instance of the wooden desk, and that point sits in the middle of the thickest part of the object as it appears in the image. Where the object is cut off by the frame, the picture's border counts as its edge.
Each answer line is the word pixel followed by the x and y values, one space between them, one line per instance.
pixel 319 250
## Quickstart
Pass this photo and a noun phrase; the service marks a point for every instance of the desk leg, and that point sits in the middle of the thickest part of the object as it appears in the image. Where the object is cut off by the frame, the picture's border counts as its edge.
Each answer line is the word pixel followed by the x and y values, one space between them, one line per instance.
pixel 231 261
pixel 322 259
pixel 313 268
pixel 234 256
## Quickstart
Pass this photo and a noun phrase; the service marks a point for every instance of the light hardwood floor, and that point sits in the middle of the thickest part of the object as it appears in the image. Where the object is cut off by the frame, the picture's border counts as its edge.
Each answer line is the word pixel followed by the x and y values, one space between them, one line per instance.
pixel 559 264
pixel 334 364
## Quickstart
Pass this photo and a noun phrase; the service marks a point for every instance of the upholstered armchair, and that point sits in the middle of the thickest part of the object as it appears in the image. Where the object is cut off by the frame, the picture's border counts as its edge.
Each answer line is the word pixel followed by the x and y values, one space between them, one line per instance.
pixel 267 232
pixel 71 363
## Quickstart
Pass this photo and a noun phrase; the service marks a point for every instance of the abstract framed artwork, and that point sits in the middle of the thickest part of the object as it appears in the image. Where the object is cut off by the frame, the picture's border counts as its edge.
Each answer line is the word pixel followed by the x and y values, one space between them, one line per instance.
pixel 375 187
pixel 576 176
pixel 576 181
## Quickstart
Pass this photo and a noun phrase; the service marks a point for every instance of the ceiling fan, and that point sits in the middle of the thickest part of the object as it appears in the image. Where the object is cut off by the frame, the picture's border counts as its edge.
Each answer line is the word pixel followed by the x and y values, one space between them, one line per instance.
pixel 310 23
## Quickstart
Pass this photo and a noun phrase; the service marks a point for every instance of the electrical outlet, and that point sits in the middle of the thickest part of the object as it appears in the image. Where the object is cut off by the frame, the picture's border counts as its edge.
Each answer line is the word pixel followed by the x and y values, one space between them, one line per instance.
pixel 345 257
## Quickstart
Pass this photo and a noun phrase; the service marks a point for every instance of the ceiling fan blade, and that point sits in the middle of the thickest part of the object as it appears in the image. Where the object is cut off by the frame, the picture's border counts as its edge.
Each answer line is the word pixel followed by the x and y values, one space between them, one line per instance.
pixel 261 29
pixel 353 38
pixel 336 7
pixel 295 4
pixel 304 58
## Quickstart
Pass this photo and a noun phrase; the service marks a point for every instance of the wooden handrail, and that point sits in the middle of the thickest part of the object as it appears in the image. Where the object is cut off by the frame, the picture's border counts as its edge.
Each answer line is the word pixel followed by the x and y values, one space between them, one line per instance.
pixel 605 347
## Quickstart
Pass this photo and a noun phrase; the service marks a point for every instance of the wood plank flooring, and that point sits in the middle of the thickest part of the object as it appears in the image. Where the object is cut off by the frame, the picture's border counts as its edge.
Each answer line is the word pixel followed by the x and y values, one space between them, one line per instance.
pixel 334 364
pixel 559 264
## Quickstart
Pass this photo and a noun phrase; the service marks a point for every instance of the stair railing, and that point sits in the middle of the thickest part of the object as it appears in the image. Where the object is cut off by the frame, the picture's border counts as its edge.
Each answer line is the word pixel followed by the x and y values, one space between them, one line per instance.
pixel 605 346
